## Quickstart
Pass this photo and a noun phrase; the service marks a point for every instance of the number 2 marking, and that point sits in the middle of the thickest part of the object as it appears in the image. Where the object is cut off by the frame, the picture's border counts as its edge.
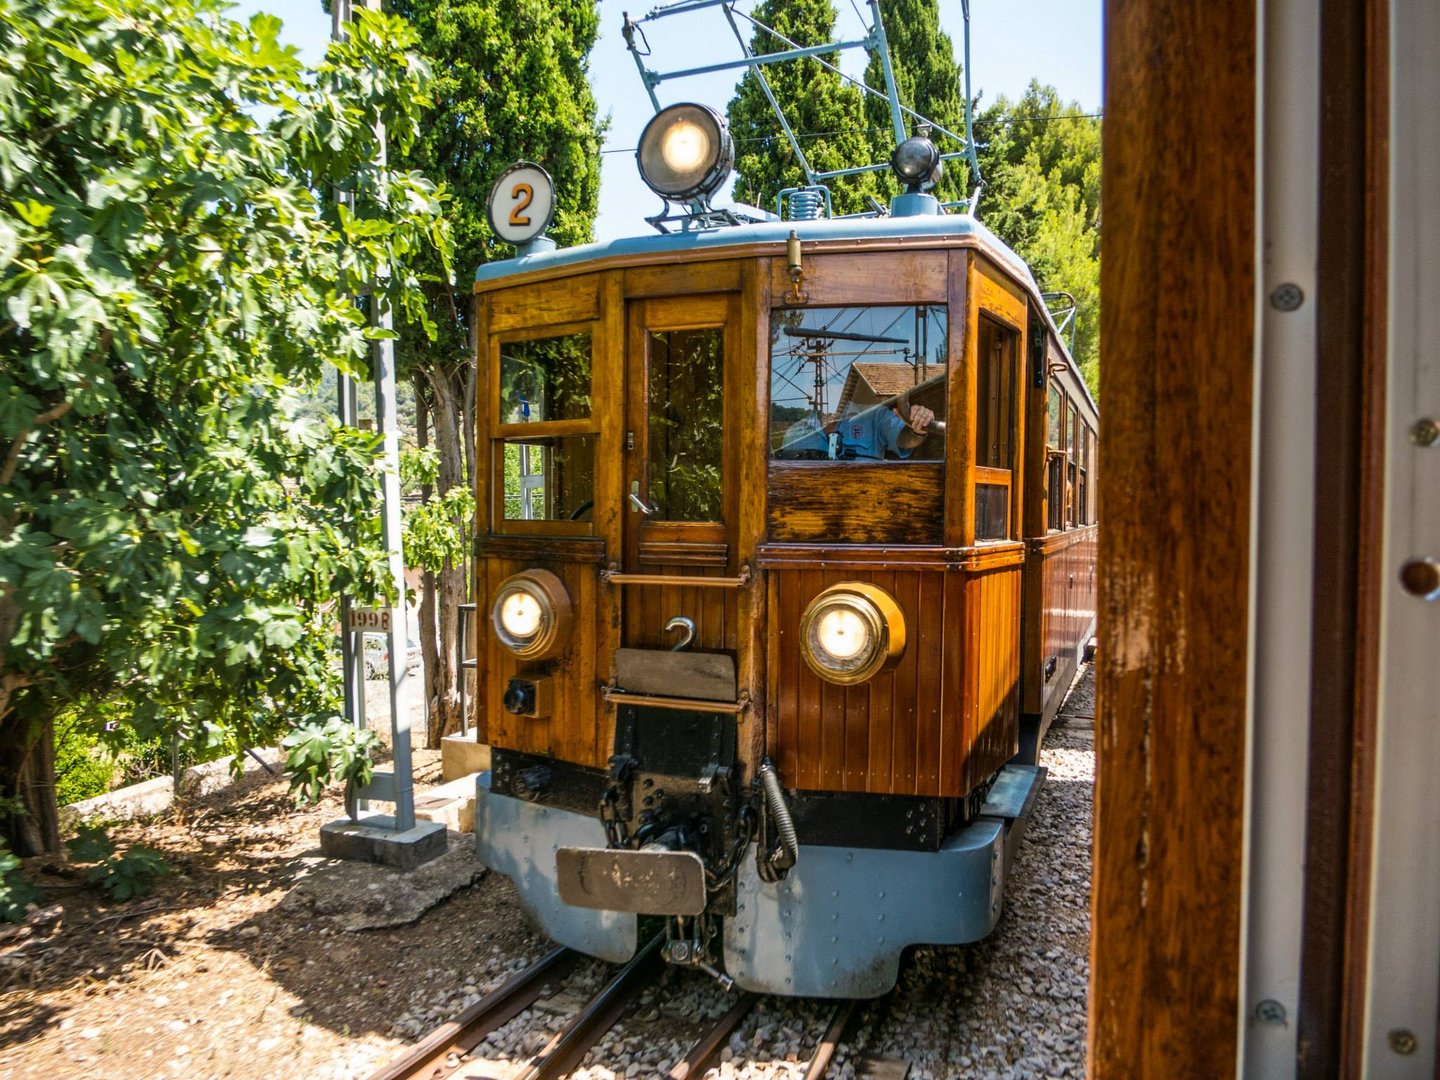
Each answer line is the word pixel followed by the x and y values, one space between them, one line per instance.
pixel 526 194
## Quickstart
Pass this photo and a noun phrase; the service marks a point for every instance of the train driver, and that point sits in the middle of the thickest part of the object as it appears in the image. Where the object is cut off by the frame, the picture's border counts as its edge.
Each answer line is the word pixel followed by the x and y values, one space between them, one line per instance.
pixel 871 434
pixel 881 431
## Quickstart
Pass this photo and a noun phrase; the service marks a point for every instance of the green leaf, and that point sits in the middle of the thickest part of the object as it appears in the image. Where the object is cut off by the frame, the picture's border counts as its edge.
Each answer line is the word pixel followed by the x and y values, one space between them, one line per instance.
pixel 90 845
pixel 32 212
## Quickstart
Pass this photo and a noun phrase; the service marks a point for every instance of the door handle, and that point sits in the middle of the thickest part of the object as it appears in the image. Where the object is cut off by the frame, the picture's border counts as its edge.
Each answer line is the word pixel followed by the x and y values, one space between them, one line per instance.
pixel 636 502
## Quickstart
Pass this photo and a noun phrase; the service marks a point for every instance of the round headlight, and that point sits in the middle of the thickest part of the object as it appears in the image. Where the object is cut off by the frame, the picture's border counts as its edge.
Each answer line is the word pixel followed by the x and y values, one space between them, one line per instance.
pixel 531 614
pixel 685 152
pixel 916 162
pixel 852 631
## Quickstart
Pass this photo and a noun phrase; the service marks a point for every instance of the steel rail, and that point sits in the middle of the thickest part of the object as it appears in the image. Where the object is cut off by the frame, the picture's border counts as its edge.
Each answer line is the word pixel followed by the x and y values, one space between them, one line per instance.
pixel 834 1034
pixel 698 1060
pixel 439 1054
pixel 564 1053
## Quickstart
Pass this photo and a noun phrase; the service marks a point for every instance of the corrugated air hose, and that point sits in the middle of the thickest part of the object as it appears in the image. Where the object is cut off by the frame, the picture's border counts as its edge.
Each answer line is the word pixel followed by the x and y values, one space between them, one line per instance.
pixel 773 863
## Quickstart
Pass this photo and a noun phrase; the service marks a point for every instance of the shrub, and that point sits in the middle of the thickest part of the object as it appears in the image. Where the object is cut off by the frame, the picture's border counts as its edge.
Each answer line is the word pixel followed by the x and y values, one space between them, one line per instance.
pixel 122 877
pixel 335 750
pixel 16 894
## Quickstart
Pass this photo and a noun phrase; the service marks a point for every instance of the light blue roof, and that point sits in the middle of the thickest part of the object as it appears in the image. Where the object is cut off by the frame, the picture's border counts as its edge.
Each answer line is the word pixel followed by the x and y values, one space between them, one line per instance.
pixel 935 226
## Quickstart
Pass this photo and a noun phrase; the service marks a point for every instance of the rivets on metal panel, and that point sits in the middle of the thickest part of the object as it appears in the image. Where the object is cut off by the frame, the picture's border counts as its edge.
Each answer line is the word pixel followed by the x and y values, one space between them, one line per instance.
pixel 1425 432
pixel 1270 1013
pixel 1421 577
pixel 1403 1042
pixel 1287 297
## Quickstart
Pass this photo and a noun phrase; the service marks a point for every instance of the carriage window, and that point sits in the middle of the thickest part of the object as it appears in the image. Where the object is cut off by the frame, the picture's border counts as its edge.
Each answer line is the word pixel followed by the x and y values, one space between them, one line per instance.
pixel 1055 459
pixel 545 379
pixel 1092 453
pixel 687 431
pixel 994 429
pixel 995 396
pixel 1054 437
pixel 1085 477
pixel 1073 430
pixel 857 383
pixel 549 479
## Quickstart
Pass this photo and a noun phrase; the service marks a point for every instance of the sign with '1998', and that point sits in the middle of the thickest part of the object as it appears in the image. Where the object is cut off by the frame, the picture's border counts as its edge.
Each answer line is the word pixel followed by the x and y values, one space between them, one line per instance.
pixel 522 202
pixel 369 620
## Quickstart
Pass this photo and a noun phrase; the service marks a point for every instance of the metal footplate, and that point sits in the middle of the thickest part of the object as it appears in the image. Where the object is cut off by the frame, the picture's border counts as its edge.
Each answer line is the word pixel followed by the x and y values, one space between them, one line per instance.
pixel 645 882
pixel 838 922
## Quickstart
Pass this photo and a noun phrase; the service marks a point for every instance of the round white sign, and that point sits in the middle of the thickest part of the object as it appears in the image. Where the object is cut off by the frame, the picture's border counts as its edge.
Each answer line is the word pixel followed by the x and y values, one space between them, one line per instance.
pixel 522 202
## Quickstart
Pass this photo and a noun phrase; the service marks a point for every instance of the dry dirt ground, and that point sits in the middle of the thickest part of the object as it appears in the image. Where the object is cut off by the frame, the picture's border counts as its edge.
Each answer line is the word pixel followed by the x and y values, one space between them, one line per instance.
pixel 209 976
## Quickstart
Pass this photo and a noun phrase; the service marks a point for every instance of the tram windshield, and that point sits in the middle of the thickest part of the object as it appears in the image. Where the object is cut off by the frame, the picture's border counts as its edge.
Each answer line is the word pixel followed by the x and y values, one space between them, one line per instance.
pixel 858 384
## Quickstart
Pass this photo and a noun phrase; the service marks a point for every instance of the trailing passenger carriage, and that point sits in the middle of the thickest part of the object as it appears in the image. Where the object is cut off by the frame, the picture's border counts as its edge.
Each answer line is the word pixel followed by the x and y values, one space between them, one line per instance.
pixel 786 535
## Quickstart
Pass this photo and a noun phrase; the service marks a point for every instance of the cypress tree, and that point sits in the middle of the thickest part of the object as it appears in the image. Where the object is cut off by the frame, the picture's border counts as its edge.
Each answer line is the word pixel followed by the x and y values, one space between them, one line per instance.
pixel 927 78
pixel 825 111
pixel 510 82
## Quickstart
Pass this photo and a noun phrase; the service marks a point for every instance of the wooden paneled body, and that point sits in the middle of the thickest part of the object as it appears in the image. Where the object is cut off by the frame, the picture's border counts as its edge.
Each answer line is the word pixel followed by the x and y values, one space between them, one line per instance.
pixel 876 504
pixel 715 612
pixel 940 722
pixel 577 729
pixel 1060 584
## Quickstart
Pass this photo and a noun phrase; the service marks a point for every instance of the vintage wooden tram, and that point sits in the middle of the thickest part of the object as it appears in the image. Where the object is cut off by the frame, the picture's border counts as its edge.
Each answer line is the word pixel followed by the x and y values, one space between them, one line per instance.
pixel 786 532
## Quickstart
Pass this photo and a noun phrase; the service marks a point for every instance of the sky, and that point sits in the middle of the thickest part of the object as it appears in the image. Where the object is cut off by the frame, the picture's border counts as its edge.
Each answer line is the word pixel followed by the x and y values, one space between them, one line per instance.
pixel 1012 42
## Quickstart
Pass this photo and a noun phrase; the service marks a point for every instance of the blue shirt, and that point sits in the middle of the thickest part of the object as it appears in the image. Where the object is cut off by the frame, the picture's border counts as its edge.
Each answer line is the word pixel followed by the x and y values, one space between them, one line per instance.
pixel 871 434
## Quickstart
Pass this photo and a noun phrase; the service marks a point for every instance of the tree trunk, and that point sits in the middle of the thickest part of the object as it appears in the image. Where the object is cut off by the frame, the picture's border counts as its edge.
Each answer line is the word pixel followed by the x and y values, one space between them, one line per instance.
pixel 27 774
pixel 429 624
pixel 446 410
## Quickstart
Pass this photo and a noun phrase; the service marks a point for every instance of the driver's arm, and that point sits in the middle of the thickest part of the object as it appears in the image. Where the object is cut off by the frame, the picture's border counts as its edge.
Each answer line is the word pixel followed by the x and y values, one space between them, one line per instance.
pixel 914 434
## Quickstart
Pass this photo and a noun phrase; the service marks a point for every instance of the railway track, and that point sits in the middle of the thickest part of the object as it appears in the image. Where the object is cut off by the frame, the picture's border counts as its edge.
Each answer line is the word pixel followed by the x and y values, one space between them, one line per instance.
pixel 444 1053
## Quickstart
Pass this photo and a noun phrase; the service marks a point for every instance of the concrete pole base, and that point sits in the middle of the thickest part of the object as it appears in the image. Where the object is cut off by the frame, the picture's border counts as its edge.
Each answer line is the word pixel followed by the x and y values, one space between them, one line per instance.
pixel 374 839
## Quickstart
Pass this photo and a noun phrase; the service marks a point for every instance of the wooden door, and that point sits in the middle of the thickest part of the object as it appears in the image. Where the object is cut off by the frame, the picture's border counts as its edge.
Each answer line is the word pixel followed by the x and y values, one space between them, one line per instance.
pixel 681 507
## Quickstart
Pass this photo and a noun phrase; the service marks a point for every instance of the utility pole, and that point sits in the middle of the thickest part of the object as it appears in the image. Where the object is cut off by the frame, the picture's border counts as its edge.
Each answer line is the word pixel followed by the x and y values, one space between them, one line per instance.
pixel 396 840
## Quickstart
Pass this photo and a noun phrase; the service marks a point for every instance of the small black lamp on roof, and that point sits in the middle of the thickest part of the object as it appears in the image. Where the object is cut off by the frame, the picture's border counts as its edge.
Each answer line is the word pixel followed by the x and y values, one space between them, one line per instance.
pixel 916 162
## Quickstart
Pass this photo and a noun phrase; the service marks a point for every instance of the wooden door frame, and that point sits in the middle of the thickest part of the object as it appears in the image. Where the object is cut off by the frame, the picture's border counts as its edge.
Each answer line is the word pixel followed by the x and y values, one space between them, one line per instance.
pixel 1177 319
pixel 1173 702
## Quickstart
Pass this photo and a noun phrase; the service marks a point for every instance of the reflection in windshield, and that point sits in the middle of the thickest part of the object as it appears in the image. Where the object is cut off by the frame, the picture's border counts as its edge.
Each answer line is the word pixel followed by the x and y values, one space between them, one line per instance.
pixel 858 383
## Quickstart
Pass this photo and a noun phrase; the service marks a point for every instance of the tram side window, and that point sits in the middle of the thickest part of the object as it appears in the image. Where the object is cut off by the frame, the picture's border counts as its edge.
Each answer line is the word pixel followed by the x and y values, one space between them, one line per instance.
pixel 687 423
pixel 545 379
pixel 549 479
pixel 994 430
pixel 1073 431
pixel 1084 497
pixel 1055 459
pixel 848 383
pixel 1093 456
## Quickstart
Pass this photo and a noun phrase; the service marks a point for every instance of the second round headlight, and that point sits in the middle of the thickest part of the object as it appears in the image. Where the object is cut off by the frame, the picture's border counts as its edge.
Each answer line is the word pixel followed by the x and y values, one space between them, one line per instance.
pixel 851 632
pixel 531 614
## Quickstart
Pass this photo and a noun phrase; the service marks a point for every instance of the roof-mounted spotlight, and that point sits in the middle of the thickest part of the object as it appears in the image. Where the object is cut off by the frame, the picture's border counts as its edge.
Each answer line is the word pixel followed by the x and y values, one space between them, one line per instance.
pixel 917 163
pixel 685 153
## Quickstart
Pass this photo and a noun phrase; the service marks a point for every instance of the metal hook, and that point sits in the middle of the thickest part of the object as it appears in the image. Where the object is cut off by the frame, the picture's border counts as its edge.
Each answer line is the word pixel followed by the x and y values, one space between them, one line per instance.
pixel 680 622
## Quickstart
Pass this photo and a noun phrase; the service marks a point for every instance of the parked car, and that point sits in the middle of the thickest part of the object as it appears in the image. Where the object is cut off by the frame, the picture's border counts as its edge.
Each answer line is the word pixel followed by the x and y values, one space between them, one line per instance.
pixel 377 655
